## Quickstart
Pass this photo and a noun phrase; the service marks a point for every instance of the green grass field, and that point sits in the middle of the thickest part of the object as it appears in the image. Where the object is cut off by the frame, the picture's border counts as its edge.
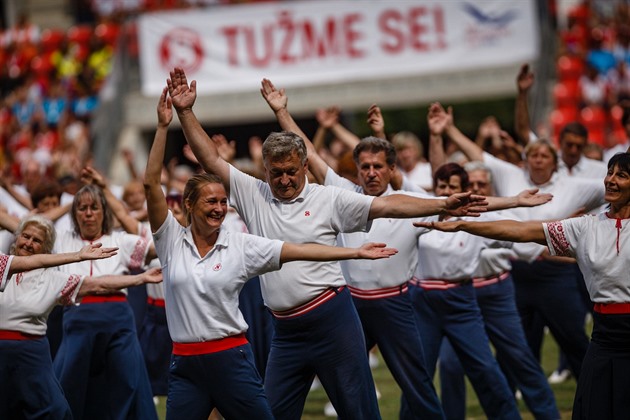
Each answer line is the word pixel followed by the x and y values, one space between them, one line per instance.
pixel 390 393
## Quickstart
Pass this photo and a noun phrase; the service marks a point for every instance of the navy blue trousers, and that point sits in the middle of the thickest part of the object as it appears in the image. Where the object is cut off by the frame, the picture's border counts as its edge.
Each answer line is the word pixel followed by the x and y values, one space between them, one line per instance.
pixel 30 389
pixel 100 365
pixel 328 342
pixel 547 294
pixel 156 345
pixel 227 380
pixel 454 313
pixel 390 323
pixel 504 329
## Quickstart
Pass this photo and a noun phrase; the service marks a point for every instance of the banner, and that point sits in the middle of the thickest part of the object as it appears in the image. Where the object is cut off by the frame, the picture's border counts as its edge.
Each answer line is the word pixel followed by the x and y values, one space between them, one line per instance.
pixel 305 43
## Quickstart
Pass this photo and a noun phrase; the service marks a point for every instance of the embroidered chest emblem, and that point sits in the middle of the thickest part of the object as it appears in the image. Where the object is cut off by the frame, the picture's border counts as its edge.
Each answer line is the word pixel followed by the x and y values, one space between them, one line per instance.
pixel 217 267
pixel 307 213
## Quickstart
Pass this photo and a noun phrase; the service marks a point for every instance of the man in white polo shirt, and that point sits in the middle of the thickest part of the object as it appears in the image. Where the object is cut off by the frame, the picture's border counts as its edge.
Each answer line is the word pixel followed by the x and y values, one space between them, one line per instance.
pixel 317 330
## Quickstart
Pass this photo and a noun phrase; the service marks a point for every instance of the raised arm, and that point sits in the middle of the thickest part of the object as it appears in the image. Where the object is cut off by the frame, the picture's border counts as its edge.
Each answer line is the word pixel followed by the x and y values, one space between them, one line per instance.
pixel 183 98
pixel 326 118
pixel 503 230
pixel 405 206
pixel 129 223
pixel 466 145
pixel 277 101
pixel 524 82
pixel 8 221
pixel 437 121
pixel 376 122
pixel 108 284
pixel 318 252
pixel 156 202
pixel 92 251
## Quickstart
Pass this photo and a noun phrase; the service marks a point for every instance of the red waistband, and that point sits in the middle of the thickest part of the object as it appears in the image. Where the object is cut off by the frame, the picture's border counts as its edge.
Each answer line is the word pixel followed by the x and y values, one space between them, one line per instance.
pixel 324 297
pixel 437 284
pixel 17 335
pixel 119 297
pixel 156 302
pixel 612 308
pixel 385 292
pixel 206 347
pixel 487 281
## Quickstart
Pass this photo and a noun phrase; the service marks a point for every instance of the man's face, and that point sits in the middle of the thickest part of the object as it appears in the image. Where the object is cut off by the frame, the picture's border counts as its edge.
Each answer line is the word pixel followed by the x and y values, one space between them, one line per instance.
pixel 374 172
pixel 286 176
pixel 479 182
pixel 572 147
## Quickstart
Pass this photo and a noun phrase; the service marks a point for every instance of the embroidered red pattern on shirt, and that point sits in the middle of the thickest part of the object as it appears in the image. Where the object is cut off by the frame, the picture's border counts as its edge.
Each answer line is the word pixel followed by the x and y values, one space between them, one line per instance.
pixel 137 256
pixel 558 239
pixel 65 297
pixel 307 213
pixel 4 261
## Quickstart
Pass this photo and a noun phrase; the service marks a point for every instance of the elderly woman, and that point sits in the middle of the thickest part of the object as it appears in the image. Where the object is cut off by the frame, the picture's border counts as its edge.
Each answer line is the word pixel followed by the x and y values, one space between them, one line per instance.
pixel 205 268
pixel 544 289
pixel 601 245
pixel 99 363
pixel 26 300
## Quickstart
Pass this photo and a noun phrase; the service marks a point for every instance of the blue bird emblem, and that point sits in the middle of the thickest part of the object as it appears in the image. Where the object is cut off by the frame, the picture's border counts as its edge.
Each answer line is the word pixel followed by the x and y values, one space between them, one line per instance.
pixel 496 19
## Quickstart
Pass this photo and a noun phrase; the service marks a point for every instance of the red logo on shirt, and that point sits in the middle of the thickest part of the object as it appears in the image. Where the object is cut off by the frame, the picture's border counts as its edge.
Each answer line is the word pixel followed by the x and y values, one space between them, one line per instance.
pixel 307 213
pixel 217 267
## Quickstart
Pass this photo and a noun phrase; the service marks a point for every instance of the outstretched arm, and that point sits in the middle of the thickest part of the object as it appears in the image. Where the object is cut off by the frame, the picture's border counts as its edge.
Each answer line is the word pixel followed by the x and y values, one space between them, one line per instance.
pixel 406 206
pixel 526 198
pixel 503 230
pixel 183 97
pixel 318 252
pixel 277 101
pixel 156 202
pixel 524 81
pixel 109 284
pixel 8 221
pixel 89 252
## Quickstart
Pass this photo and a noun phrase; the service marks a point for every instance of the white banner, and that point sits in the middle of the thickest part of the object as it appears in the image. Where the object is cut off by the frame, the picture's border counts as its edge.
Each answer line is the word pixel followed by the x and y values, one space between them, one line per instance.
pixel 302 43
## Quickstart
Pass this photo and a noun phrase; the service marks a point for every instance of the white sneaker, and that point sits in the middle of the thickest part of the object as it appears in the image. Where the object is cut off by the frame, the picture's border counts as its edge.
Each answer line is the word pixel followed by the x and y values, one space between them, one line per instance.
pixel 156 400
pixel 518 395
pixel 329 410
pixel 559 377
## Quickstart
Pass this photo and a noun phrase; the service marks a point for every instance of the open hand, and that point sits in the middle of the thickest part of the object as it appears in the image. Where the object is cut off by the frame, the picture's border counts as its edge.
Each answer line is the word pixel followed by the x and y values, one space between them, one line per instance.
pixel 152 275
pixel 441 226
pixel 373 251
pixel 466 204
pixel 276 99
pixel 531 198
pixel 95 251
pixel 182 96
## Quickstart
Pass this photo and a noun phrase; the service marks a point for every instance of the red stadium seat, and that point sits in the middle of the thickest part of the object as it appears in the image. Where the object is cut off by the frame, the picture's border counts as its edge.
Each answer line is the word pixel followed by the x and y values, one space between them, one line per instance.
pixel 80 34
pixel 617 128
pixel 560 117
pixel 595 119
pixel 51 39
pixel 567 94
pixel 569 68
pixel 108 32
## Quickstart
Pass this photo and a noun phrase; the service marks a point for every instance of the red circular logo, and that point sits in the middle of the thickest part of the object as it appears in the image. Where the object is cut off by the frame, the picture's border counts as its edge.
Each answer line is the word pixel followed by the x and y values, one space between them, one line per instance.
pixel 181 47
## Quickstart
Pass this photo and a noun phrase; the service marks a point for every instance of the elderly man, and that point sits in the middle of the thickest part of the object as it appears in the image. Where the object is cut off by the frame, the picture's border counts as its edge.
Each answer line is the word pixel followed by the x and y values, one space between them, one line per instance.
pixel 317 330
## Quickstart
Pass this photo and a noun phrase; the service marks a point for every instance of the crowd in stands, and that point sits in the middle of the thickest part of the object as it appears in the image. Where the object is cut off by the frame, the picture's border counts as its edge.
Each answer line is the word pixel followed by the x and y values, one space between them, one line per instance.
pixel 51 80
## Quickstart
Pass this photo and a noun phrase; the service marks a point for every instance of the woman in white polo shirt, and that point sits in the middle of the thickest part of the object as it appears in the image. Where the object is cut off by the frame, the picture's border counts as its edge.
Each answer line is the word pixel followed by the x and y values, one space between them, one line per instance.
pixel 601 245
pixel 29 293
pixel 205 267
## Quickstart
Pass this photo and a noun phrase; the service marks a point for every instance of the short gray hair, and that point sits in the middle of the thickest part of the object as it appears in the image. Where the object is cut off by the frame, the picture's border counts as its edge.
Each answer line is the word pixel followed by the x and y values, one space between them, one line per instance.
pixel 283 144
pixel 42 223
pixel 476 165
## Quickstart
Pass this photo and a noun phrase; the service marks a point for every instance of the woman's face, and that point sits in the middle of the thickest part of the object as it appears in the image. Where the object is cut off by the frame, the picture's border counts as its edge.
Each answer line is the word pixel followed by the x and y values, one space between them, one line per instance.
pixel 446 188
pixel 541 163
pixel 90 217
pixel 617 184
pixel 30 241
pixel 208 212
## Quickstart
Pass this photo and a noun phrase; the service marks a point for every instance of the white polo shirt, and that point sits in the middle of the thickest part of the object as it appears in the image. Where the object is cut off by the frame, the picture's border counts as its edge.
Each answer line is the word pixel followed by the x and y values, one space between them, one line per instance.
pixel 202 292
pixel 132 251
pixel 593 241
pixel 317 215
pixel 585 168
pixel 29 297
pixel 396 233
pixel 569 193
pixel 454 256
pixel 420 175
pixel 620 148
